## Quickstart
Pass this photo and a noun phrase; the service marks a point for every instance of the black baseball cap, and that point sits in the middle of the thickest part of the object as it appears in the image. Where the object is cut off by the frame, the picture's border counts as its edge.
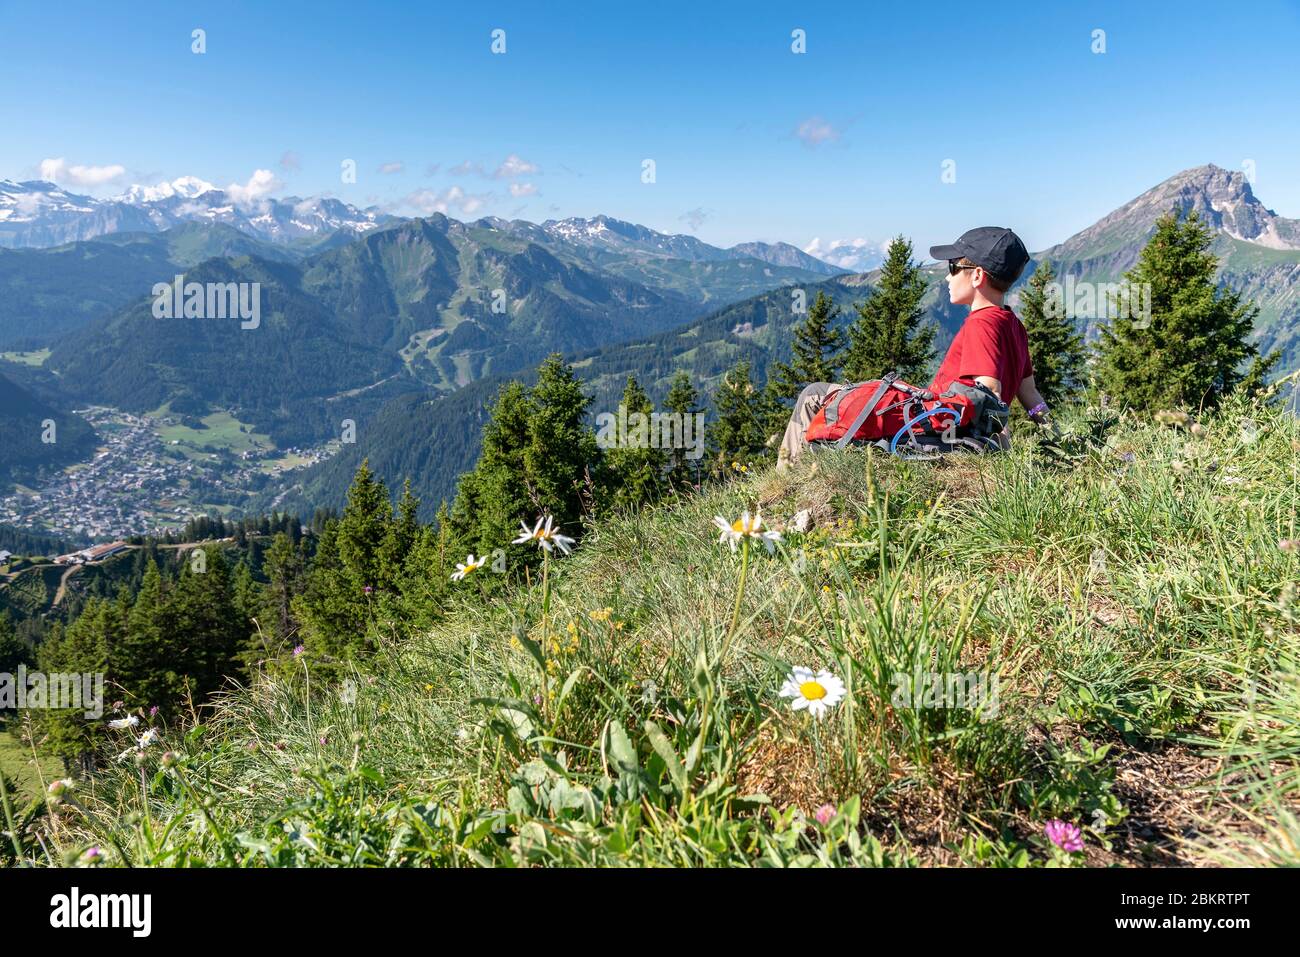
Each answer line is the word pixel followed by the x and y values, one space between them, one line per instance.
pixel 996 249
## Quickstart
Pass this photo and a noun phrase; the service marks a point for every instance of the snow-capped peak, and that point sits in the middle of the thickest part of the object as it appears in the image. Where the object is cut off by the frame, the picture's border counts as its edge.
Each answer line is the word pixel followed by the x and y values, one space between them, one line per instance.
pixel 186 187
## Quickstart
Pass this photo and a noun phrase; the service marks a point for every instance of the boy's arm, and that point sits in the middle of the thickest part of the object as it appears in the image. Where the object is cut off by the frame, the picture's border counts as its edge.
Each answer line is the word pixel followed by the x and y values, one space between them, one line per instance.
pixel 1034 403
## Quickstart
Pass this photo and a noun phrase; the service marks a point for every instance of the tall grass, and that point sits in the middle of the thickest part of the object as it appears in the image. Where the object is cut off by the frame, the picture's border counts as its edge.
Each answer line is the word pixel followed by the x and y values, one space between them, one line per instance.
pixel 1129 603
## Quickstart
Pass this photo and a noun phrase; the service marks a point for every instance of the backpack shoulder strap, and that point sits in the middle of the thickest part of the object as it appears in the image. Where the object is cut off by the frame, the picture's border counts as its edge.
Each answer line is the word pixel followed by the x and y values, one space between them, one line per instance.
pixel 867 409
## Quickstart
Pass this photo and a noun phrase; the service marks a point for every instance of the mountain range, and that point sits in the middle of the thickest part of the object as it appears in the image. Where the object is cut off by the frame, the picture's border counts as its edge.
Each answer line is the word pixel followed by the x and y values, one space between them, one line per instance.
pixel 408 327
pixel 1259 258
pixel 38 214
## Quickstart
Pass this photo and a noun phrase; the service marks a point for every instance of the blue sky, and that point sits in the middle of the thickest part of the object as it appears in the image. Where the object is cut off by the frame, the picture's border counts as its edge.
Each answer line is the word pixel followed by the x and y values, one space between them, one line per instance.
pixel 750 140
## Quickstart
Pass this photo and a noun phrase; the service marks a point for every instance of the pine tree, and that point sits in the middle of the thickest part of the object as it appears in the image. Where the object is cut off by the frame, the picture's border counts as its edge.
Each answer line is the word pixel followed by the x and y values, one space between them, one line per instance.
pixel 13 650
pixel 285 568
pixel 495 497
pixel 815 351
pixel 634 467
pixel 402 535
pixel 1191 350
pixel 202 613
pixel 684 400
pixel 738 436
pixel 1055 348
pixel 538 456
pixel 333 620
pixel 362 530
pixel 83 647
pixel 888 334
pixel 562 449
pixel 149 658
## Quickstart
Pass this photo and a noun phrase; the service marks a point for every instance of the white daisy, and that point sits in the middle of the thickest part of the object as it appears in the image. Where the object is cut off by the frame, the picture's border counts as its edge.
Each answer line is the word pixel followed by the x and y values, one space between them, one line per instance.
pixel 148 738
pixel 745 527
pixel 130 721
pixel 818 693
pixel 471 564
pixel 544 535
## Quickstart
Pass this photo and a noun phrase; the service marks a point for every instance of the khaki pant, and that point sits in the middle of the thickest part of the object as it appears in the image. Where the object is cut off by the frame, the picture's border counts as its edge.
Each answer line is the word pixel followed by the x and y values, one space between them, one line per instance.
pixel 810 401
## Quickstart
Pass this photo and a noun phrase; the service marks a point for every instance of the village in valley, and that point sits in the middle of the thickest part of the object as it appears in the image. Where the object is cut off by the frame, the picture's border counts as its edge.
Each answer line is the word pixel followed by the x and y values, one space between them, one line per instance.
pixel 149 474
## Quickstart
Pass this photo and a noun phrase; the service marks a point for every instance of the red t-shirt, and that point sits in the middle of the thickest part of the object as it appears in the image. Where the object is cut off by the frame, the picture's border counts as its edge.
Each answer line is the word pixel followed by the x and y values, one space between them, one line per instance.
pixel 990 342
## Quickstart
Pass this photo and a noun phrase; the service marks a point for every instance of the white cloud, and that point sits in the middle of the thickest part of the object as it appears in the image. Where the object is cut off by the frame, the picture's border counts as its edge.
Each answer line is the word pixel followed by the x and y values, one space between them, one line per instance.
pixel 814 131
pixel 58 171
pixel 388 169
pixel 694 217
pixel 514 165
pixel 858 254
pixel 465 168
pixel 290 161
pixel 523 189
pixel 426 202
pixel 258 187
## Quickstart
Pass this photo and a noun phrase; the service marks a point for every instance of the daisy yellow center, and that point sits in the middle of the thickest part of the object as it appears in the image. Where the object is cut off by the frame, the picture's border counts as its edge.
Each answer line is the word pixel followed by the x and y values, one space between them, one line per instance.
pixel 739 526
pixel 812 691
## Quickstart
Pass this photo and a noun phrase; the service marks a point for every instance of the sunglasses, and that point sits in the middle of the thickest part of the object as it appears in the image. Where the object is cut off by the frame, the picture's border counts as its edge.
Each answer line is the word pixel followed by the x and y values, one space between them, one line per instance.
pixel 955 267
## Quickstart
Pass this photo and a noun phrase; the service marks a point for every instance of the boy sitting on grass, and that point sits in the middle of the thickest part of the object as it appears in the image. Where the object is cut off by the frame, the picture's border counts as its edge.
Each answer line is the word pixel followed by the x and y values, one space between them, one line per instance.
pixel 990 348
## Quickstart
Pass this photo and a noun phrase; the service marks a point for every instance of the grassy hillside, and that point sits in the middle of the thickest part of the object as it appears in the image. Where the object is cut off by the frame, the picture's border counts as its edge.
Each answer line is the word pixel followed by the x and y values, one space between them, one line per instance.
pixel 1124 628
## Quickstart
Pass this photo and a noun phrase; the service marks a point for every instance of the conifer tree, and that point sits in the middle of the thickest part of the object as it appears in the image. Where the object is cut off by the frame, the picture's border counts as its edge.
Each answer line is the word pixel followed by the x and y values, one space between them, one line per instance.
pixel 13 650
pixel 683 400
pixel 402 535
pixel 538 457
pixel 333 620
pixel 635 467
pixel 495 497
pixel 888 334
pixel 362 529
pixel 248 595
pixel 1055 348
pixel 815 351
pixel 1191 350
pixel 285 568
pixel 562 449
pixel 84 646
pixel 148 659
pixel 739 432
pixel 213 633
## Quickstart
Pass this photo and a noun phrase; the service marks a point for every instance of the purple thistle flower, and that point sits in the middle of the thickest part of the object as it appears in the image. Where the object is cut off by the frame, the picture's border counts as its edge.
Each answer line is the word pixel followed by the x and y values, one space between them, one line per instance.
pixel 297 652
pixel 324 741
pixel 1064 835
pixel 153 712
pixel 825 814
pixel 367 589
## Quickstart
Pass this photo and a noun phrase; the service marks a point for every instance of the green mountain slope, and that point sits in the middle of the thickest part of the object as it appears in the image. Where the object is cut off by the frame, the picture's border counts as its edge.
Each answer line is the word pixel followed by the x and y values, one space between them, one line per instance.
pixel 46 293
pixel 26 422
pixel 279 375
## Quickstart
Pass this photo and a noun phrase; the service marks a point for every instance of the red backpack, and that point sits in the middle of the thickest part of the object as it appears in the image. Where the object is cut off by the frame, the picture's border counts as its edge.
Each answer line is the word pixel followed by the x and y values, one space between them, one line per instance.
pixel 889 411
